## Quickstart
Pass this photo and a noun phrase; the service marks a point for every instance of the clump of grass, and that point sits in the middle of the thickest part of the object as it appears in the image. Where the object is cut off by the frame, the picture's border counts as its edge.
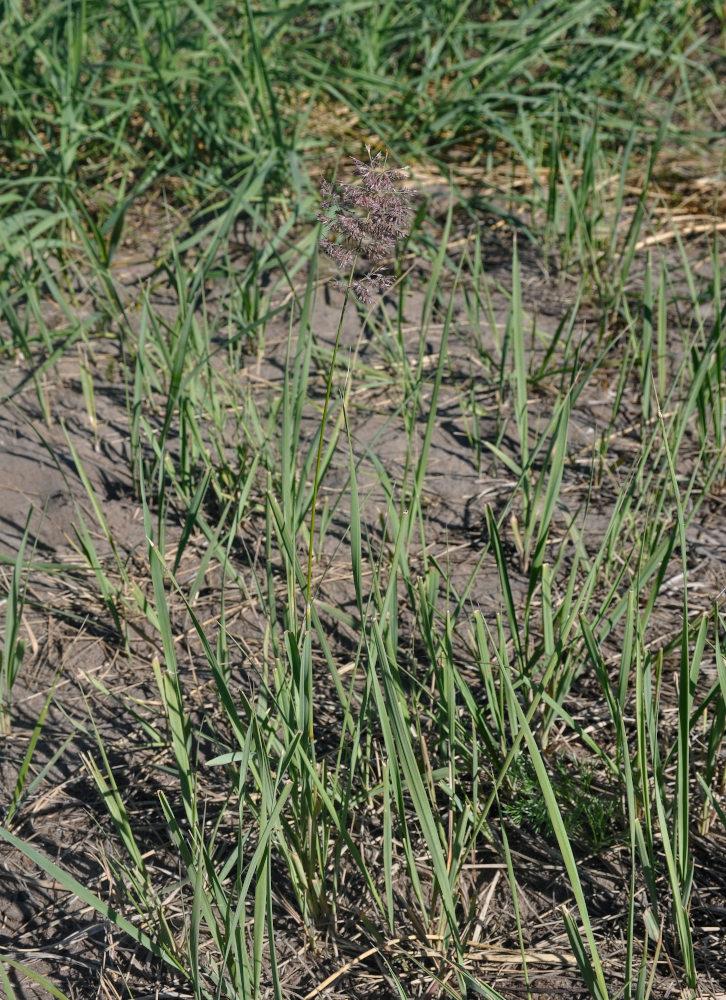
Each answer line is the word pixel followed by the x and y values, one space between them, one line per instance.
pixel 590 818
pixel 342 770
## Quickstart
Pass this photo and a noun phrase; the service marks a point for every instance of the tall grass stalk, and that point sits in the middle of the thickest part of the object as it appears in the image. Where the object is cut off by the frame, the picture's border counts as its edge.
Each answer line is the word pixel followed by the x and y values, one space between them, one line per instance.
pixel 13 646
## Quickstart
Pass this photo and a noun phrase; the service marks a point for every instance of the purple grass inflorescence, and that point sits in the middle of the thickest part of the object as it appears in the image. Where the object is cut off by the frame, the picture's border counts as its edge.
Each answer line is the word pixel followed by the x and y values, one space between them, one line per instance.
pixel 362 224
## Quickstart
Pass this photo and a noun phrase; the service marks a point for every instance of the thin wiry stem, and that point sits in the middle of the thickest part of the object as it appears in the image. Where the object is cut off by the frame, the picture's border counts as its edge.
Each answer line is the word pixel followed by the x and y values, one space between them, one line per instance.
pixel 318 460
pixel 361 223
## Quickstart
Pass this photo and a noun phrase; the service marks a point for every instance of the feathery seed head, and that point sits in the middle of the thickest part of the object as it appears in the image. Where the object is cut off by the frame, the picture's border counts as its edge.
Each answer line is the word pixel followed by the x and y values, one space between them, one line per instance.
pixel 362 223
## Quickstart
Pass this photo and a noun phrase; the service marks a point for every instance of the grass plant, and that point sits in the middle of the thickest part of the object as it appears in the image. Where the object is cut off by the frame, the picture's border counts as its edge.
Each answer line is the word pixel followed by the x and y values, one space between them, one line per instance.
pixel 14 647
pixel 405 594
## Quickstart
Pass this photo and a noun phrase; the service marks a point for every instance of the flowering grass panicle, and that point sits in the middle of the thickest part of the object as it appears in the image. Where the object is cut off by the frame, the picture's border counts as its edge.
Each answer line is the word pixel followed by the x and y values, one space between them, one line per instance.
pixel 362 224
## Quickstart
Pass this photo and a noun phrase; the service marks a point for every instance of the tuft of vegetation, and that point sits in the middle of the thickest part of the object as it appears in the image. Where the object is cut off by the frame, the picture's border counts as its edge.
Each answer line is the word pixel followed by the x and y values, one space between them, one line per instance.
pixel 363 415
pixel 590 817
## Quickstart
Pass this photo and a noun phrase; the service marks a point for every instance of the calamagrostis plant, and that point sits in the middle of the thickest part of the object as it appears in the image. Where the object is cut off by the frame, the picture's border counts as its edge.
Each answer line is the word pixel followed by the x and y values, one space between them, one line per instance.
pixel 362 225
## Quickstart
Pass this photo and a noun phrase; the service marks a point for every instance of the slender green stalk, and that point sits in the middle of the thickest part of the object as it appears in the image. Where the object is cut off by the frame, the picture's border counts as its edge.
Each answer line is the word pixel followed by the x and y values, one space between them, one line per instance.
pixel 13 647
pixel 319 454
